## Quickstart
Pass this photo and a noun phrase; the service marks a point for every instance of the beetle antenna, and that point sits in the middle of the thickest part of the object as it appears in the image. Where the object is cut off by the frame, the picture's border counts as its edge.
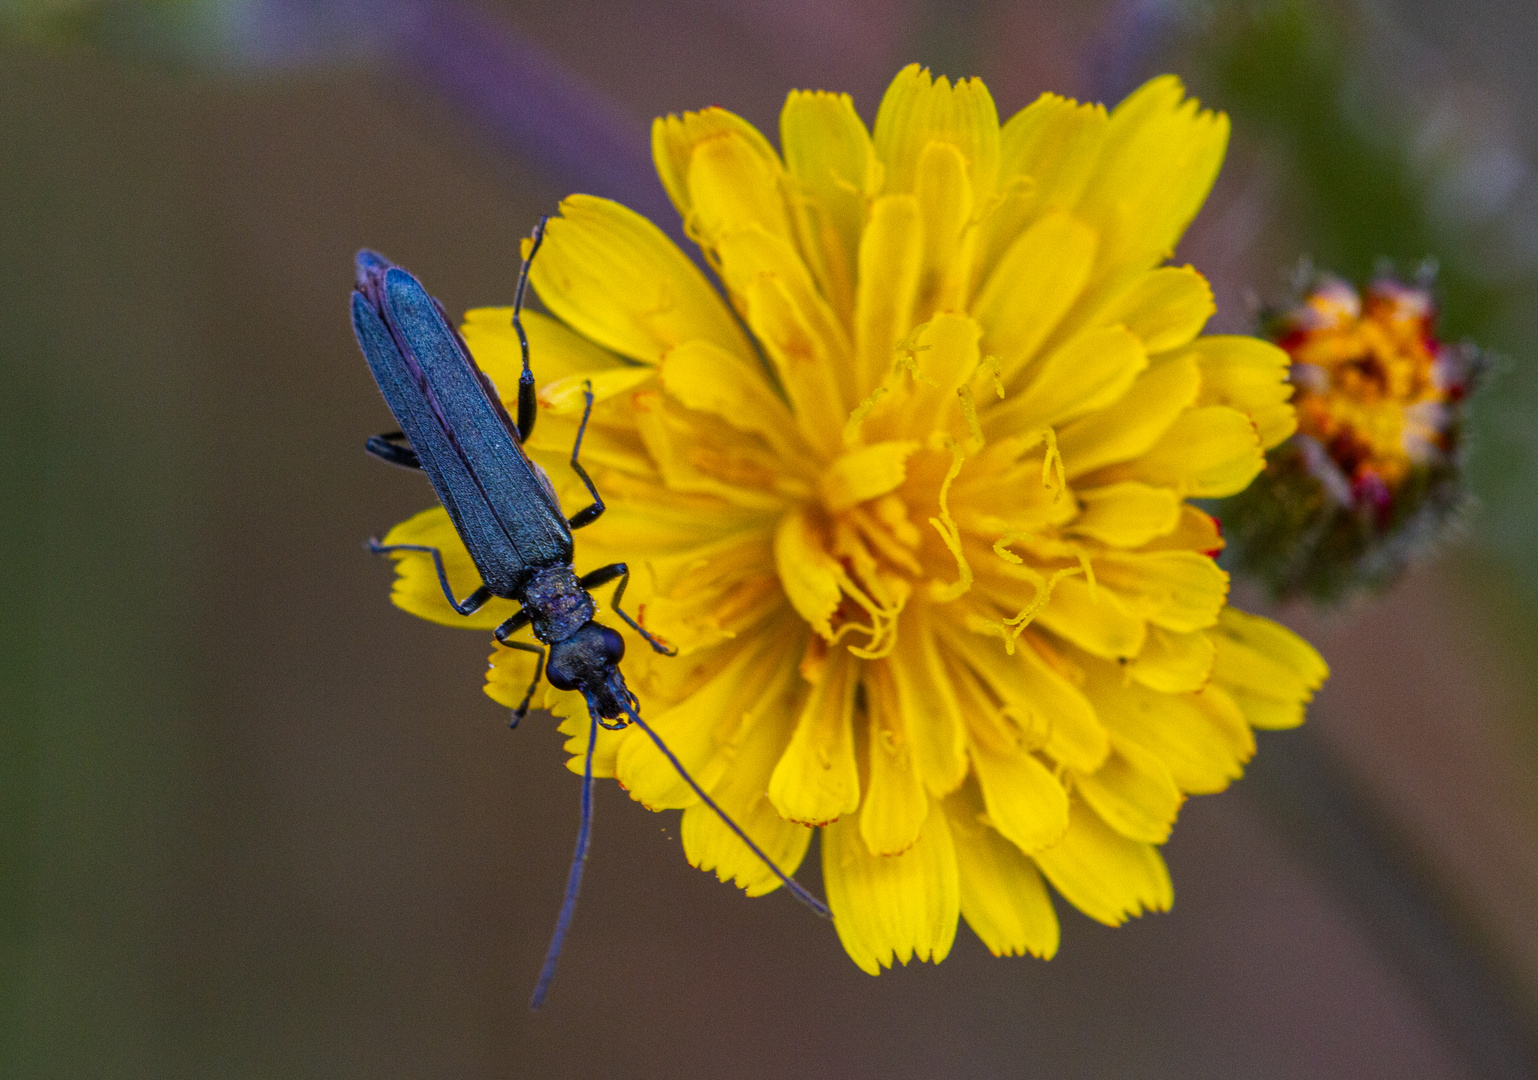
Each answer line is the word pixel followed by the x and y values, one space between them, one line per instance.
pixel 526 377
pixel 537 238
pixel 789 882
pixel 573 877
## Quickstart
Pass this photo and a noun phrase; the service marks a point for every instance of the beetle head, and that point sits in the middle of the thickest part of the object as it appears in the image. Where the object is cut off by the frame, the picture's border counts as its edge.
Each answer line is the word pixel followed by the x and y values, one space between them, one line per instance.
pixel 589 661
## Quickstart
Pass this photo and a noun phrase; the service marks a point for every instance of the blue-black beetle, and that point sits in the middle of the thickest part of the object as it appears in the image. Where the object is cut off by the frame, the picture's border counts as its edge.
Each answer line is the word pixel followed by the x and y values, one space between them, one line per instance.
pixel 454 428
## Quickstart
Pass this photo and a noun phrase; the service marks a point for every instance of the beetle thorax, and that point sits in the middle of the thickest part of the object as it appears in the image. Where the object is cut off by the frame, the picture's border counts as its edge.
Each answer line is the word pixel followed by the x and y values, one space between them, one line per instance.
pixel 557 604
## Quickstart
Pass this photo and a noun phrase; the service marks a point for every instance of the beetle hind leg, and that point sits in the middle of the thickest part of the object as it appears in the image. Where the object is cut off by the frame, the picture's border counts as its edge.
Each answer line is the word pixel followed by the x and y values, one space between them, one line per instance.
pixel 392 448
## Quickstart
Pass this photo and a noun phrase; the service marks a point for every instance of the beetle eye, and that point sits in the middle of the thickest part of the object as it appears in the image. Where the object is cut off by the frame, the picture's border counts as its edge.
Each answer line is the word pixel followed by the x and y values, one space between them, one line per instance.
pixel 613 646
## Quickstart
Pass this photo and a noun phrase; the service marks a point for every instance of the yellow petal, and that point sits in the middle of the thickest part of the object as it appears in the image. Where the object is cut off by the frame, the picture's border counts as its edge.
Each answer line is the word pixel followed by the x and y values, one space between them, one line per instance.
pixel 1104 874
pixel 742 793
pixel 817 779
pixel 696 453
pixel 416 587
pixel 1269 671
pixel 1089 372
pixel 697 727
pixel 1208 452
pixel 892 908
pixel 569 395
pixel 1040 699
pixel 703 376
pixel 1024 801
pixel 1200 738
pixel 576 725
pixel 1160 156
pixel 613 277
pixel 1037 279
pixel 1126 514
pixel 807 572
pixel 1263 711
pixel 750 254
pixel 554 351
pixel 1197 531
pixel 828 155
pixel 1173 663
pixel 710 845
pixel 866 473
pixel 808 362
pixel 1250 375
pixel 890 262
pixel 1179 590
pixel 1003 897
pixel 944 192
pixel 610 445
pixel 1132 425
pixel 1093 619
pixel 1133 793
pixel 708 602
pixel 1166 307
pixel 1056 142
pixel 671 528
pixel 1047 154
pixel 734 185
pixel 931 714
pixel 509 676
pixel 1263 657
pixel 918 110
pixel 675 140
pixel 944 355
pixel 895 805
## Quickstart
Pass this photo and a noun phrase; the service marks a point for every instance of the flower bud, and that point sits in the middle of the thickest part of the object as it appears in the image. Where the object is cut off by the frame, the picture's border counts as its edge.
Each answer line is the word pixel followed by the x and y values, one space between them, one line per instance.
pixel 1374 474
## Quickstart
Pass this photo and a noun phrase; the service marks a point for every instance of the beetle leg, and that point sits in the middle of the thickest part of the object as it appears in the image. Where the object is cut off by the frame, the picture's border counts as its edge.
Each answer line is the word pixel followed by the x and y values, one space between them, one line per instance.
pixel 588 514
pixel 528 406
pixel 392 448
pixel 517 622
pixel 469 605
pixel 602 576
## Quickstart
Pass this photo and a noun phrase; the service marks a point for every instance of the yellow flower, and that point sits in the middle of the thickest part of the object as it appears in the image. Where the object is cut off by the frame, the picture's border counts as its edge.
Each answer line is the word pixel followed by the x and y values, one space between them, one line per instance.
pixel 910 501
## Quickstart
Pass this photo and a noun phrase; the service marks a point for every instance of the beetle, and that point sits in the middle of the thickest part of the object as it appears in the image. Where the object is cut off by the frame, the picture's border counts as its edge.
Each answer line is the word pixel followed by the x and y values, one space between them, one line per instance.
pixel 454 428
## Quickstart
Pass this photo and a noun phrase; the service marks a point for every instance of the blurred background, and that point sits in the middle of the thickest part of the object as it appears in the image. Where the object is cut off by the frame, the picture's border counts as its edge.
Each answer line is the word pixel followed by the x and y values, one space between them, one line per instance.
pixel 255 822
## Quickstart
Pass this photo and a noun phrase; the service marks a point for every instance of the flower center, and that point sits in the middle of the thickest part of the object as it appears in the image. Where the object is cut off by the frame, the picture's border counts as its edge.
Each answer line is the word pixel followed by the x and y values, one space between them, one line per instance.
pixel 876 549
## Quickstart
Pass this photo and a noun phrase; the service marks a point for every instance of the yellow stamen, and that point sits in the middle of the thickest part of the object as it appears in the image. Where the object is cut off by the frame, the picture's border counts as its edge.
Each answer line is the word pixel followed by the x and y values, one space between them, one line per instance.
pixel 852 436
pixel 969 412
pixel 946 526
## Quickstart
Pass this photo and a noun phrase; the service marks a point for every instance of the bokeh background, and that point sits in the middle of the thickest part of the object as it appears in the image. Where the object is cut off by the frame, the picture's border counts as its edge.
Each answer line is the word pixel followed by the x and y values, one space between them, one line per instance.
pixel 255 822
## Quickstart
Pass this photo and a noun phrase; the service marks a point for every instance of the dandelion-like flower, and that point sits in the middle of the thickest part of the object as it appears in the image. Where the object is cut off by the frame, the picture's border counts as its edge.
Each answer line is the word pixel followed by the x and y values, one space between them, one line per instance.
pixel 910 500
pixel 1374 472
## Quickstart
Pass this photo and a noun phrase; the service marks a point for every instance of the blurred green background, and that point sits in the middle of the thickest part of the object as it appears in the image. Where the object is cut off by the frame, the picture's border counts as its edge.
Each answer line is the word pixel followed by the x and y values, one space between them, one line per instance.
pixel 255 822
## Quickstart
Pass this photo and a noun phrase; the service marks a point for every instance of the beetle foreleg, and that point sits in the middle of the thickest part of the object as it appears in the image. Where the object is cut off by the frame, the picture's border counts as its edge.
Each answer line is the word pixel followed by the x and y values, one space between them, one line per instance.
pixel 605 574
pixel 517 622
pixel 469 605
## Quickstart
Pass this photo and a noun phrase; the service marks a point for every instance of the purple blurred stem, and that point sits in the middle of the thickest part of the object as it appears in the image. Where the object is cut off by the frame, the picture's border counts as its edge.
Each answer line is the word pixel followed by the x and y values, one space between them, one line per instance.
pixel 534 107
